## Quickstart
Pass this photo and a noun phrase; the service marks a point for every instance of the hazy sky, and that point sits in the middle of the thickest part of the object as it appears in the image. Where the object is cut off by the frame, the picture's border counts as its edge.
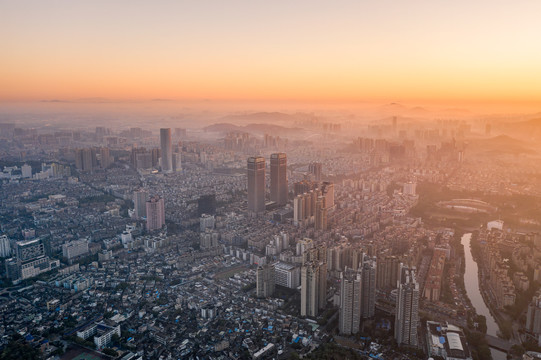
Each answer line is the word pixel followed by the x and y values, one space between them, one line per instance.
pixel 482 50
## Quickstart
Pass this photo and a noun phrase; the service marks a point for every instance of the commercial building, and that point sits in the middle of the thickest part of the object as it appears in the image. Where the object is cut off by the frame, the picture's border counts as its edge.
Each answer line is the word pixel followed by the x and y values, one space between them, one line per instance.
pixel 447 341
pixel 287 275
pixel 278 178
pixel 166 150
pixel 256 185
pixel 75 249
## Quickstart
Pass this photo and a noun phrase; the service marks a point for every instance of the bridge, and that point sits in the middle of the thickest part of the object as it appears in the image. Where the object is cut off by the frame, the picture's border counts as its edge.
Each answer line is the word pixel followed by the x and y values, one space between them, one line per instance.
pixel 499 344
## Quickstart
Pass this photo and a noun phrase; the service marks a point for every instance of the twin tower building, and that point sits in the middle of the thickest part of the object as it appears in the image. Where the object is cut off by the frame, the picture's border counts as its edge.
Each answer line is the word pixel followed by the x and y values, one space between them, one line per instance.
pixel 256 182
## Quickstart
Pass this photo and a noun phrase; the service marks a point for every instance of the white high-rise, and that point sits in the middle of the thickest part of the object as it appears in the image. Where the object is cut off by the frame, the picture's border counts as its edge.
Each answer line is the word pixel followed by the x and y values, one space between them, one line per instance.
pixel 5 247
pixel 407 309
pixel 350 302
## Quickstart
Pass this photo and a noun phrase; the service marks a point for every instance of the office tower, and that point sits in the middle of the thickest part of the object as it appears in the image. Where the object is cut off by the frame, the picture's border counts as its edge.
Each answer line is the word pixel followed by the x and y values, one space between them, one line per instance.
pixel 265 278
pixel 166 150
pixel 407 309
pixel 278 185
pixel 105 158
pixel 315 170
pixel 327 190
pixel 302 187
pixel 368 292
pixel 388 271
pixel 206 204
pixel 30 260
pixel 5 246
pixel 256 185
pixel 156 155
pixel 309 289
pixel 350 302
pixel 155 213
pixel 321 214
pixel 177 162
pixel 298 210
pixel 140 199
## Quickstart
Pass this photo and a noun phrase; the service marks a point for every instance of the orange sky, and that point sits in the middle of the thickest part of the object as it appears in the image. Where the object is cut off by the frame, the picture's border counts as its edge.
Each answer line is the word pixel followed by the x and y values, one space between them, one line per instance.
pixel 303 50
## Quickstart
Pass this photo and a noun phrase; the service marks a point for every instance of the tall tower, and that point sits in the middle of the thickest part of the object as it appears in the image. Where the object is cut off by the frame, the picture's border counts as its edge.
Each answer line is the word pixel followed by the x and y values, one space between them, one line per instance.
pixel 256 184
pixel 368 293
pixel 155 213
pixel 407 309
pixel 315 170
pixel 278 185
pixel 309 289
pixel 167 151
pixel 350 302
pixel 266 281
pixel 140 199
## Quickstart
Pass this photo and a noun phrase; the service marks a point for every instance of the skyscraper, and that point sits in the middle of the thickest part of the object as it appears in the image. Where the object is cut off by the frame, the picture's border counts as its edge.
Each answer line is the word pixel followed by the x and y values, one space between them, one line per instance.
pixel 350 302
pixel 315 170
pixel 266 280
pixel 167 151
pixel 256 185
pixel 388 272
pixel 309 289
pixel 368 292
pixel 5 246
pixel 155 213
pixel 140 199
pixel 407 309
pixel 278 185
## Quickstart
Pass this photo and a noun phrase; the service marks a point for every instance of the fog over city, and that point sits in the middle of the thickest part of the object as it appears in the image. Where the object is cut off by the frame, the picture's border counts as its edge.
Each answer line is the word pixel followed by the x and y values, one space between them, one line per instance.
pixel 245 180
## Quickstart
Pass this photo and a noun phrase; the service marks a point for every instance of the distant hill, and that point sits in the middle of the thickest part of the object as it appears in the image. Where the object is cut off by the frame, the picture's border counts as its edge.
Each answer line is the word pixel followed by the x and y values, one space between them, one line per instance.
pixel 259 124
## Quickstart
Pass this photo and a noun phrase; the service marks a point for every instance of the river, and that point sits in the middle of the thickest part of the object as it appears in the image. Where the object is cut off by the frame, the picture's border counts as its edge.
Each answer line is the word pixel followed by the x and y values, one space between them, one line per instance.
pixel 471 282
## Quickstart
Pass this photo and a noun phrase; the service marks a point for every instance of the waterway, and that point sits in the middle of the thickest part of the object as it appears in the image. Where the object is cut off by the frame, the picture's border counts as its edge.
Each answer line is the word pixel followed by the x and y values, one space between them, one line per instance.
pixel 471 282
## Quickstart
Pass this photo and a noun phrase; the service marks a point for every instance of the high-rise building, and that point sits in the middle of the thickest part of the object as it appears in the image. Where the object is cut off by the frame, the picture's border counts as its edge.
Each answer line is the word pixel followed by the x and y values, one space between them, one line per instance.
pixel 407 309
pixel 309 289
pixel 315 170
pixel 265 277
pixel 166 150
pixel 350 302
pixel 155 213
pixel 388 272
pixel 313 280
pixel 85 159
pixel 278 185
pixel 177 162
pixel 140 199
pixel 368 292
pixel 105 158
pixel 30 260
pixel 533 317
pixel 327 190
pixel 256 185
pixel 321 214
pixel 5 246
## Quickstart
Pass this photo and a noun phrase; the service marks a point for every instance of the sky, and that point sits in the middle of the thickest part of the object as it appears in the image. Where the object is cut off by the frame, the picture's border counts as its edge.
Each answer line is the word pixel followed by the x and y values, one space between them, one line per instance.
pixel 307 50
